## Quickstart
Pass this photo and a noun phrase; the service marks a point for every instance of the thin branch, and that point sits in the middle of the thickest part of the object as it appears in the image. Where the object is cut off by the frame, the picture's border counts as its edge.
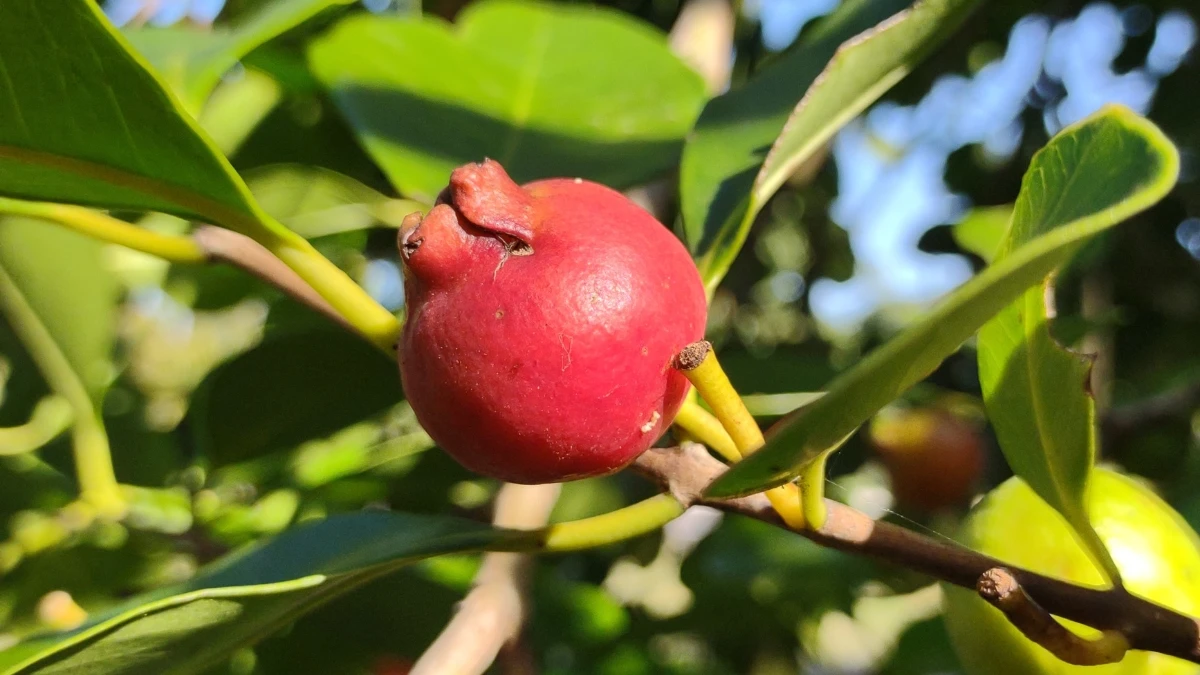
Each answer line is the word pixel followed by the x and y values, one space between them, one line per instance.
pixel 685 472
pixel 492 613
pixel 97 225
pixel 1001 590
pixel 215 244
pixel 222 245
pixel 93 458
pixel 51 416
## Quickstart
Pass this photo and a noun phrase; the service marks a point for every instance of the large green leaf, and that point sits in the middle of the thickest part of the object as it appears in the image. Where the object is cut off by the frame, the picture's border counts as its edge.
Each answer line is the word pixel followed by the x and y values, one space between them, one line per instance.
pixel 62 278
pixel 248 596
pixel 728 174
pixel 545 89
pixel 1088 178
pixel 289 390
pixel 1038 394
pixel 193 61
pixel 83 120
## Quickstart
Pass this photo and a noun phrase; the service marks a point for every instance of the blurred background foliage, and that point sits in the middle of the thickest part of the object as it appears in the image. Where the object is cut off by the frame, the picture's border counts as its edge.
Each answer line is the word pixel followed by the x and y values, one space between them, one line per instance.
pixel 239 413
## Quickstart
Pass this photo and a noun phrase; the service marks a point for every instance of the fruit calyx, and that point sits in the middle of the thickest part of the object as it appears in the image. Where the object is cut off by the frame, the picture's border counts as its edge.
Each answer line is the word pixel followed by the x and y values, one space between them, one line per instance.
pixel 481 213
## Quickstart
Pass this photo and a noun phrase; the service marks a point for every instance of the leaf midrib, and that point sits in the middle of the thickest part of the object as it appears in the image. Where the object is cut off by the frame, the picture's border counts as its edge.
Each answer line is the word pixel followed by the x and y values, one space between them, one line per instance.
pixel 193 203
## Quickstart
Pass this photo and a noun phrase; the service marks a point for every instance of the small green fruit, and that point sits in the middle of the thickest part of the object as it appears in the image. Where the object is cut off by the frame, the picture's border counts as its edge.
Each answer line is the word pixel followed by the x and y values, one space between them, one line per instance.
pixel 1156 551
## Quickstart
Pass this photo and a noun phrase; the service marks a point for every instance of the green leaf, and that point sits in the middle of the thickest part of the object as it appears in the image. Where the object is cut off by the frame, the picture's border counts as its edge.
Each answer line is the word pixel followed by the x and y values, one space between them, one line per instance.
pixel 982 230
pixel 544 89
pixel 774 405
pixel 249 595
pixel 1037 393
pixel 289 390
pixel 193 61
pixel 1090 177
pixel 315 202
pixel 62 277
pixel 728 174
pixel 83 120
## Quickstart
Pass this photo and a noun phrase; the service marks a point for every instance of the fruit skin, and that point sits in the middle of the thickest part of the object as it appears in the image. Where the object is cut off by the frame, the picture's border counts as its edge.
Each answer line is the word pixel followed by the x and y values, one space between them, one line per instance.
pixel 1156 551
pixel 542 323
pixel 935 457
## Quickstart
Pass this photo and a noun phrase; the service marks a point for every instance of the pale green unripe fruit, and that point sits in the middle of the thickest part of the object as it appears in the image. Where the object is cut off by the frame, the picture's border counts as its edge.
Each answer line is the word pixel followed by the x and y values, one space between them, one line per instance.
pixel 1157 552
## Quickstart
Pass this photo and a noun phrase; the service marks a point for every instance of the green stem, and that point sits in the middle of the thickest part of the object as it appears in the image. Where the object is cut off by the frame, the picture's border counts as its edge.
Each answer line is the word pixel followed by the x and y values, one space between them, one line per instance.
pixel 330 282
pixel 93 461
pixel 609 528
pixel 812 491
pixel 51 416
pixel 699 364
pixel 367 316
pixel 106 228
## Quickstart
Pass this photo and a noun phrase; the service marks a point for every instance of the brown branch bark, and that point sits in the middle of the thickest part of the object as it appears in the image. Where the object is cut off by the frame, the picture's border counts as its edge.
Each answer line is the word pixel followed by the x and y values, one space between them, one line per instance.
pixel 685 472
pixel 1002 590
pixel 492 613
pixel 227 246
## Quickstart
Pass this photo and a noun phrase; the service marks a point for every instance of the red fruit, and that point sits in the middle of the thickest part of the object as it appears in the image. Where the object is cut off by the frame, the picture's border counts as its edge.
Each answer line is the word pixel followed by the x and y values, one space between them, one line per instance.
pixel 542 322
pixel 935 457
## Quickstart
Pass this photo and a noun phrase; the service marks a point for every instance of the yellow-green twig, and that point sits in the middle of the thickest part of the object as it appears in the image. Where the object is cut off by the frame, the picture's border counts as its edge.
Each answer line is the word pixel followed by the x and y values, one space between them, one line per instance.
pixel 345 298
pixel 625 523
pixel 106 228
pixel 93 459
pixel 51 416
pixel 699 364
pixel 367 316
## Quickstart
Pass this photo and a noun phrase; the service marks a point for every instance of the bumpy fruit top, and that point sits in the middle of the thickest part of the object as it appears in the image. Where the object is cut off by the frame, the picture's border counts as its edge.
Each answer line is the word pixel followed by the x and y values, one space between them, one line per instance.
pixel 542 322
pixel 1156 551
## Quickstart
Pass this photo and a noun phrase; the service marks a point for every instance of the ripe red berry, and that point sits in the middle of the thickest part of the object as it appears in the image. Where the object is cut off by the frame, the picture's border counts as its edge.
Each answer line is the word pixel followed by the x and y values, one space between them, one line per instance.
pixel 936 458
pixel 542 322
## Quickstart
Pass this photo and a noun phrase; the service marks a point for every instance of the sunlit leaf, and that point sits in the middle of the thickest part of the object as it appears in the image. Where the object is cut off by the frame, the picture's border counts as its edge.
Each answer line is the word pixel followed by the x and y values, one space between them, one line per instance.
pixel 1038 394
pixel 749 141
pixel 83 120
pixel 193 61
pixel 136 140
pixel 315 202
pixel 1090 177
pixel 545 89
pixel 247 596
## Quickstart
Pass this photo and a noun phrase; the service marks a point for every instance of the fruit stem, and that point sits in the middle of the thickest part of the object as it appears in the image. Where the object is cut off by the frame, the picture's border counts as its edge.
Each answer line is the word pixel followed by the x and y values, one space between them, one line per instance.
pixel 699 364
pixel 706 428
pixel 812 492
pixel 608 528
pixel 93 458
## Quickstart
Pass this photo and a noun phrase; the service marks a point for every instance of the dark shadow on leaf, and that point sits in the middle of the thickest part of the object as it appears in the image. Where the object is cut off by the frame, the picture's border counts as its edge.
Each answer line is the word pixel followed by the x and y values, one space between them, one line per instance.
pixel 458 135
pixel 289 390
